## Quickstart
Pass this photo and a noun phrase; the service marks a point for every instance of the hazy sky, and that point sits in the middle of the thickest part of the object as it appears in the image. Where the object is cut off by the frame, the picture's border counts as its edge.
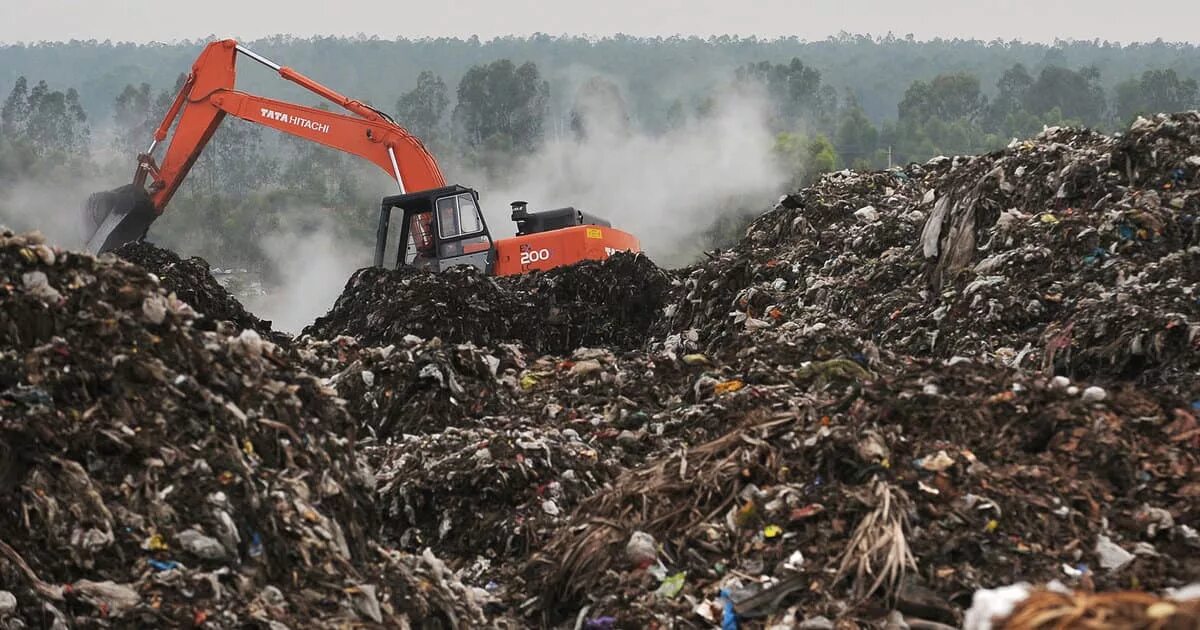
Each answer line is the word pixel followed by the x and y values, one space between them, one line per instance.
pixel 171 20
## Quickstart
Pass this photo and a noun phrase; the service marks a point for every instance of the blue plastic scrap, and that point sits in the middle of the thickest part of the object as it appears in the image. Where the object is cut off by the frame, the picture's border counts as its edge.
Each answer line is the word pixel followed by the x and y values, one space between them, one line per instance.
pixel 728 614
pixel 600 623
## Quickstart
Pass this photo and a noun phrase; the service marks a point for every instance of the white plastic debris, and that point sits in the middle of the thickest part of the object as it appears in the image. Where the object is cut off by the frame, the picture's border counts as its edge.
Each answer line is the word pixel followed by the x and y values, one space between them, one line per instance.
pixel 795 562
pixel 118 598
pixel 938 462
pixel 990 605
pixel 1094 394
pixel 251 343
pixel 867 214
pixel 641 549
pixel 8 603
pixel 154 308
pixel 1113 557
pixel 200 545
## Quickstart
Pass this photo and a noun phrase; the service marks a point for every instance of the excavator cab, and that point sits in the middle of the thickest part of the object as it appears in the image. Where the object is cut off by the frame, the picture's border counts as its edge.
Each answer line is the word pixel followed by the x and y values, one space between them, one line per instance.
pixel 439 229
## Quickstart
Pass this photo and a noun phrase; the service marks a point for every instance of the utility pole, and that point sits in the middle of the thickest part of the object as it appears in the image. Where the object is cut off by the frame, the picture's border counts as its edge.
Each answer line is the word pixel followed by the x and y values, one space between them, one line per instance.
pixel 889 156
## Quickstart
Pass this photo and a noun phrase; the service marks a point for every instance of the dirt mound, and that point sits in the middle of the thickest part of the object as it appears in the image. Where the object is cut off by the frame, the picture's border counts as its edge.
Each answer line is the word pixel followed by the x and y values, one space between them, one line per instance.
pixel 157 474
pixel 192 282
pixel 611 303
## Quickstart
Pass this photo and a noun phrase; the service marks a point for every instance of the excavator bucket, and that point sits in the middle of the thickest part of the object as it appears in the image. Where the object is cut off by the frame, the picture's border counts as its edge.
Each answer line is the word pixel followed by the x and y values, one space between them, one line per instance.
pixel 115 217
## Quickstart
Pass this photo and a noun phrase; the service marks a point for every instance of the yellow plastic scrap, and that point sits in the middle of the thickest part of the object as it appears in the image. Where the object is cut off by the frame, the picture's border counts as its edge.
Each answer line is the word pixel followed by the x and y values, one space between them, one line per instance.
pixel 1049 219
pixel 247 446
pixel 156 543
pixel 529 381
pixel 772 531
pixel 992 525
pixel 696 359
pixel 727 387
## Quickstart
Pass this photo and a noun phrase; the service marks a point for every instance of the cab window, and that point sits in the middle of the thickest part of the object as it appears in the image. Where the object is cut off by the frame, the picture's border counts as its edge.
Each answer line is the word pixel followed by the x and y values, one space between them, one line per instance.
pixel 458 215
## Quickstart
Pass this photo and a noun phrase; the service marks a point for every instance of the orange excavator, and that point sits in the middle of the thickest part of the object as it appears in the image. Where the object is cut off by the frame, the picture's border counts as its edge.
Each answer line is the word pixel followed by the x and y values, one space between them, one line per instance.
pixel 441 225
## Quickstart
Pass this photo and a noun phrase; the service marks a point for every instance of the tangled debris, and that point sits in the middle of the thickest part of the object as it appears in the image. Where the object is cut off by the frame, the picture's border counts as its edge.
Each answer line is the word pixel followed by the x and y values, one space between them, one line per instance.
pixel 611 303
pixel 1067 253
pixel 901 389
pixel 193 283
pixel 157 474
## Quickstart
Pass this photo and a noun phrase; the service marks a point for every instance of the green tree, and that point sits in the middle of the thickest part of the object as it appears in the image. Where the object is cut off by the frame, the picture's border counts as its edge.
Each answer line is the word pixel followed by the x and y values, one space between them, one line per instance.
pixel 423 109
pixel 804 158
pixel 502 106
pixel 857 138
pixel 946 97
pixel 51 122
pixel 599 108
pixel 1077 94
pixel 1156 91
pixel 136 114
pixel 1011 89
pixel 15 112
pixel 797 95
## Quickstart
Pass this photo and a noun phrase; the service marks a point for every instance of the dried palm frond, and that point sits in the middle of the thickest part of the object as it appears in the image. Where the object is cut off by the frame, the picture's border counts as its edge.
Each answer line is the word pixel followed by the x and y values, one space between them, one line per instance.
pixel 879 546
pixel 1102 611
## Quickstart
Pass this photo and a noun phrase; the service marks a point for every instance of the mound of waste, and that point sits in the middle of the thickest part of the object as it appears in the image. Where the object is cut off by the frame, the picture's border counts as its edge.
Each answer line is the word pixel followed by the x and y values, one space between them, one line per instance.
pixel 916 488
pixel 192 282
pixel 155 474
pixel 963 393
pixel 611 303
pixel 1073 252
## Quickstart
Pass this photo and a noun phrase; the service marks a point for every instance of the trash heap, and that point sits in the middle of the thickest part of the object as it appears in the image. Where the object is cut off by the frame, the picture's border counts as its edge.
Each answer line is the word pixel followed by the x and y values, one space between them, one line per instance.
pixel 916 489
pixel 156 474
pixel 1072 252
pixel 986 370
pixel 612 303
pixel 900 389
pixel 462 436
pixel 192 282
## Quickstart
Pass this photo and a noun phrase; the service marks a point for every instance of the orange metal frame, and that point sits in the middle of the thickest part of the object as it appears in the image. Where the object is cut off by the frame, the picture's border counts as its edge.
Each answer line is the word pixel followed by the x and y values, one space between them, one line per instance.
pixel 208 95
pixel 565 246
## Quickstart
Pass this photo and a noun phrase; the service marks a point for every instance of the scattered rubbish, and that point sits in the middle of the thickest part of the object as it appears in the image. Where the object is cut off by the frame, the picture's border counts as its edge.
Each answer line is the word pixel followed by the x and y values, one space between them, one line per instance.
pixel 896 387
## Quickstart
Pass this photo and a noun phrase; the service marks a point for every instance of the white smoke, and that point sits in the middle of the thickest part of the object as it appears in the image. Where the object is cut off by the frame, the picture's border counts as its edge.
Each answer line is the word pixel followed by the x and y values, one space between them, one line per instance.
pixel 312 268
pixel 664 189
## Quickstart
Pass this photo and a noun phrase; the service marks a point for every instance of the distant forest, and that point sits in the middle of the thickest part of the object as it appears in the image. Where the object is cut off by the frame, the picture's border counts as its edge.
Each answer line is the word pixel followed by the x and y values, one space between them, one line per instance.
pixel 85 108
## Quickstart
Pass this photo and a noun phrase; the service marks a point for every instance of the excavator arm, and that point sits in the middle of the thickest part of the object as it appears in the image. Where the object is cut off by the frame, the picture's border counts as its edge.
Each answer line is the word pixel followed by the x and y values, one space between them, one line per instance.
pixel 115 217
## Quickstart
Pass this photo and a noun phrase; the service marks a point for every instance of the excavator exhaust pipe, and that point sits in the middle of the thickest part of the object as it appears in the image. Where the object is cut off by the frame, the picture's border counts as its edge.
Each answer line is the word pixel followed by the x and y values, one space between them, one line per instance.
pixel 115 217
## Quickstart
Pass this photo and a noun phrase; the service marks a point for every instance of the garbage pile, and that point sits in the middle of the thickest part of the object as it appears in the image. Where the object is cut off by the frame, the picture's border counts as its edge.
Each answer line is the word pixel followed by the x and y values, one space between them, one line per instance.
pixel 901 389
pixel 462 435
pixel 611 303
pixel 156 474
pixel 924 486
pixel 991 373
pixel 1072 252
pixel 193 283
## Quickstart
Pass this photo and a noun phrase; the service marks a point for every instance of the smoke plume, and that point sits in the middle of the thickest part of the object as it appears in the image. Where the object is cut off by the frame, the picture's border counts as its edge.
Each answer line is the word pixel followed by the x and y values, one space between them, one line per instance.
pixel 665 189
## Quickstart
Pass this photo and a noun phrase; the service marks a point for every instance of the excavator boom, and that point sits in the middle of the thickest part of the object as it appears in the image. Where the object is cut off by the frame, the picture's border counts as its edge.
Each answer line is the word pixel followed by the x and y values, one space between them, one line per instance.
pixel 206 97
pixel 442 226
